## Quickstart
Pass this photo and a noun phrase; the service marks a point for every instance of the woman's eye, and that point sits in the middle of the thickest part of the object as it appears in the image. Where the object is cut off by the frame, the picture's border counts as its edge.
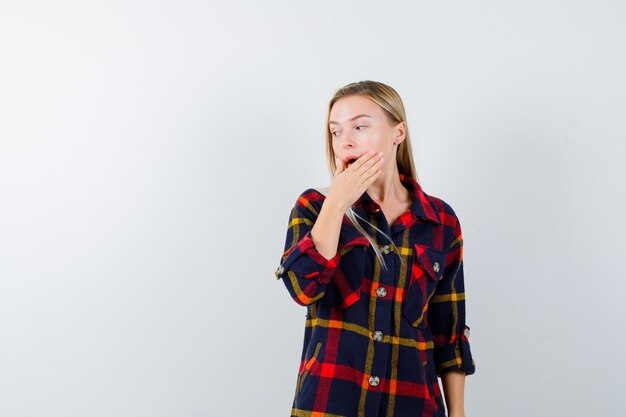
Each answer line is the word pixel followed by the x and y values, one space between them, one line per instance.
pixel 361 126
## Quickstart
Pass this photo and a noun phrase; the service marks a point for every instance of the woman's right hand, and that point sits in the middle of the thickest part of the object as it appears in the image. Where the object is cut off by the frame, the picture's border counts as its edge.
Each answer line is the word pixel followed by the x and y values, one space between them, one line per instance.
pixel 349 183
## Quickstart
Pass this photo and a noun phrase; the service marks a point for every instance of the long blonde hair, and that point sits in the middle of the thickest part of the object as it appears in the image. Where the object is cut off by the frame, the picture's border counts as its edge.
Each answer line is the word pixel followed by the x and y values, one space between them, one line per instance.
pixel 391 103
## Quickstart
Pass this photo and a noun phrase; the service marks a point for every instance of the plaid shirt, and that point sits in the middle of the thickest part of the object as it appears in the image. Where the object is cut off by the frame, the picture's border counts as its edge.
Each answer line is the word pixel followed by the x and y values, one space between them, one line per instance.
pixel 376 340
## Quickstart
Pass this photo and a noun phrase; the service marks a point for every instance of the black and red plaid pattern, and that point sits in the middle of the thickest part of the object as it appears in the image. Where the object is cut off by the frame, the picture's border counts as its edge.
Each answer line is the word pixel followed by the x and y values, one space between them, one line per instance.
pixel 375 340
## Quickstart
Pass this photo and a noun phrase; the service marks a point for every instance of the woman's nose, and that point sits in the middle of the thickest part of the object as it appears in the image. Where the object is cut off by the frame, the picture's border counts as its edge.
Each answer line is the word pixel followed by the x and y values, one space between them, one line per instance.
pixel 348 141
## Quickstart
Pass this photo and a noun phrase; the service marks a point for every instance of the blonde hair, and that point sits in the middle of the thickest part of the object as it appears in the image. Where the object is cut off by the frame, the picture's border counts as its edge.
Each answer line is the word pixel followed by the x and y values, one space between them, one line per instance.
pixel 391 104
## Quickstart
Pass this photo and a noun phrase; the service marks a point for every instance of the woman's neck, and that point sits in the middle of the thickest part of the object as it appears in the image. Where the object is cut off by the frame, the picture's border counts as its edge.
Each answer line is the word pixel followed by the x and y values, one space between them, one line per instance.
pixel 388 189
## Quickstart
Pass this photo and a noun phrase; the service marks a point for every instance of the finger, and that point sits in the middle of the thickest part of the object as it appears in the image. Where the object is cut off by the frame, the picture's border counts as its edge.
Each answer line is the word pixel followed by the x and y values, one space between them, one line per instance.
pixel 373 178
pixel 377 165
pixel 375 161
pixel 362 159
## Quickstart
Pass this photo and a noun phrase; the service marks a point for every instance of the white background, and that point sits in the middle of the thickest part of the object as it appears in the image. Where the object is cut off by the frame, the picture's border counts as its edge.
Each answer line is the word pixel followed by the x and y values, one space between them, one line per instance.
pixel 151 151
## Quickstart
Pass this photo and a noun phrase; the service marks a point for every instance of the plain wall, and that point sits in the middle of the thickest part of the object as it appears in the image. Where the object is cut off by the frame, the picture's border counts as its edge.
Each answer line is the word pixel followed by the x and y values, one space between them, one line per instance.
pixel 151 151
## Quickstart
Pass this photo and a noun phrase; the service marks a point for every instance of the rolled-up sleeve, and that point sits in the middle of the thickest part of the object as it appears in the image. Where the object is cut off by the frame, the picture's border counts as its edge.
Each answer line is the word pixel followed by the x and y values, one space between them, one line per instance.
pixel 446 314
pixel 304 271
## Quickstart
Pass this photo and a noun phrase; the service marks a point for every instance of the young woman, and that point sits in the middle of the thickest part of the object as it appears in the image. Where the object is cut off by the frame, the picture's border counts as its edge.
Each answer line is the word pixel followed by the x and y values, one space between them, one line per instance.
pixel 378 263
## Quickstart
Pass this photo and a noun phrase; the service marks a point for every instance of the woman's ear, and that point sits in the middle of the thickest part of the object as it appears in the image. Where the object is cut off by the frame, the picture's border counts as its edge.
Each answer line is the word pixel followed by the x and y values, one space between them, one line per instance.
pixel 399 133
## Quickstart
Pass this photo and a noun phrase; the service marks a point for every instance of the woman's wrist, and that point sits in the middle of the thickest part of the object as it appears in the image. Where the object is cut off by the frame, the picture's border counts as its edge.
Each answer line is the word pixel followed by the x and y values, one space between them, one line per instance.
pixel 334 206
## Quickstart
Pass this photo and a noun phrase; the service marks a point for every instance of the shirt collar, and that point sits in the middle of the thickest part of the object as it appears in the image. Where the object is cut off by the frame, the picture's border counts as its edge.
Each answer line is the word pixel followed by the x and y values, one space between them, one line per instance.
pixel 421 208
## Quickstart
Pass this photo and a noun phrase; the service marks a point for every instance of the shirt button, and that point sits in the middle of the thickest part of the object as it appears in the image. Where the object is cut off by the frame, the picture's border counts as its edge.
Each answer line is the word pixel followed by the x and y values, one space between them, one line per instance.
pixel 381 291
pixel 436 267
pixel 384 249
pixel 466 332
pixel 374 381
pixel 378 335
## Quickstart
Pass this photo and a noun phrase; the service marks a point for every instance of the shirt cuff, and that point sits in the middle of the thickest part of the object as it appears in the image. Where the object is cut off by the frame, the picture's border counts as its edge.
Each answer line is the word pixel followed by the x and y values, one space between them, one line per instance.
pixel 305 260
pixel 455 356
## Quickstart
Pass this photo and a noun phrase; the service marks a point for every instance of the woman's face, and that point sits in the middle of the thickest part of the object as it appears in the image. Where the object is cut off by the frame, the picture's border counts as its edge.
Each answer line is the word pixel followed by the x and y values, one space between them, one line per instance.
pixel 358 125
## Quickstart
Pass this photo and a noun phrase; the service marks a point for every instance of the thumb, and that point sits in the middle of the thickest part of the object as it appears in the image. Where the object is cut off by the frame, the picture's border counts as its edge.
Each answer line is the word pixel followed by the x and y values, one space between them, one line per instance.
pixel 340 166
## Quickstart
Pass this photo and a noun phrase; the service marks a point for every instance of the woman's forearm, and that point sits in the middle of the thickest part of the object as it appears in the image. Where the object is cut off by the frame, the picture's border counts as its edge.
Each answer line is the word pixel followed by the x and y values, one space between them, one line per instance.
pixel 327 227
pixel 454 392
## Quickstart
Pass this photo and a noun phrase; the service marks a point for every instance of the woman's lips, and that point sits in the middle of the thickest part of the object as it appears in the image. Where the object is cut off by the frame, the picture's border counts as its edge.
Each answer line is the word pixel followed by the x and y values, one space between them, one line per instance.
pixel 350 161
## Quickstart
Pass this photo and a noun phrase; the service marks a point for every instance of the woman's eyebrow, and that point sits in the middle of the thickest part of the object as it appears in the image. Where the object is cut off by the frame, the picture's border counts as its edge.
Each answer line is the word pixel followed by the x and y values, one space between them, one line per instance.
pixel 354 118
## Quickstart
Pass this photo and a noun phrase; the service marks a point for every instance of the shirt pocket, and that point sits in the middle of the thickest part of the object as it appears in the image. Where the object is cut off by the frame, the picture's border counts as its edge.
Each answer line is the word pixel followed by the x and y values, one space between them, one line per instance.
pixel 345 286
pixel 426 272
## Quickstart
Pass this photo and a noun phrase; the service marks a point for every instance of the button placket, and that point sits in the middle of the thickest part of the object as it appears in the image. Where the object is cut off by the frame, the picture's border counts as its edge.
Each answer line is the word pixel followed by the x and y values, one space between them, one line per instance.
pixel 380 292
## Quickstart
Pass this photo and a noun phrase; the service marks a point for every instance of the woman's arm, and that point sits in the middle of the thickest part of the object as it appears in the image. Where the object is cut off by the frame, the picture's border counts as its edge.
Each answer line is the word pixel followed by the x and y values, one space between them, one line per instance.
pixel 325 231
pixel 454 392
pixel 446 316
pixel 306 271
